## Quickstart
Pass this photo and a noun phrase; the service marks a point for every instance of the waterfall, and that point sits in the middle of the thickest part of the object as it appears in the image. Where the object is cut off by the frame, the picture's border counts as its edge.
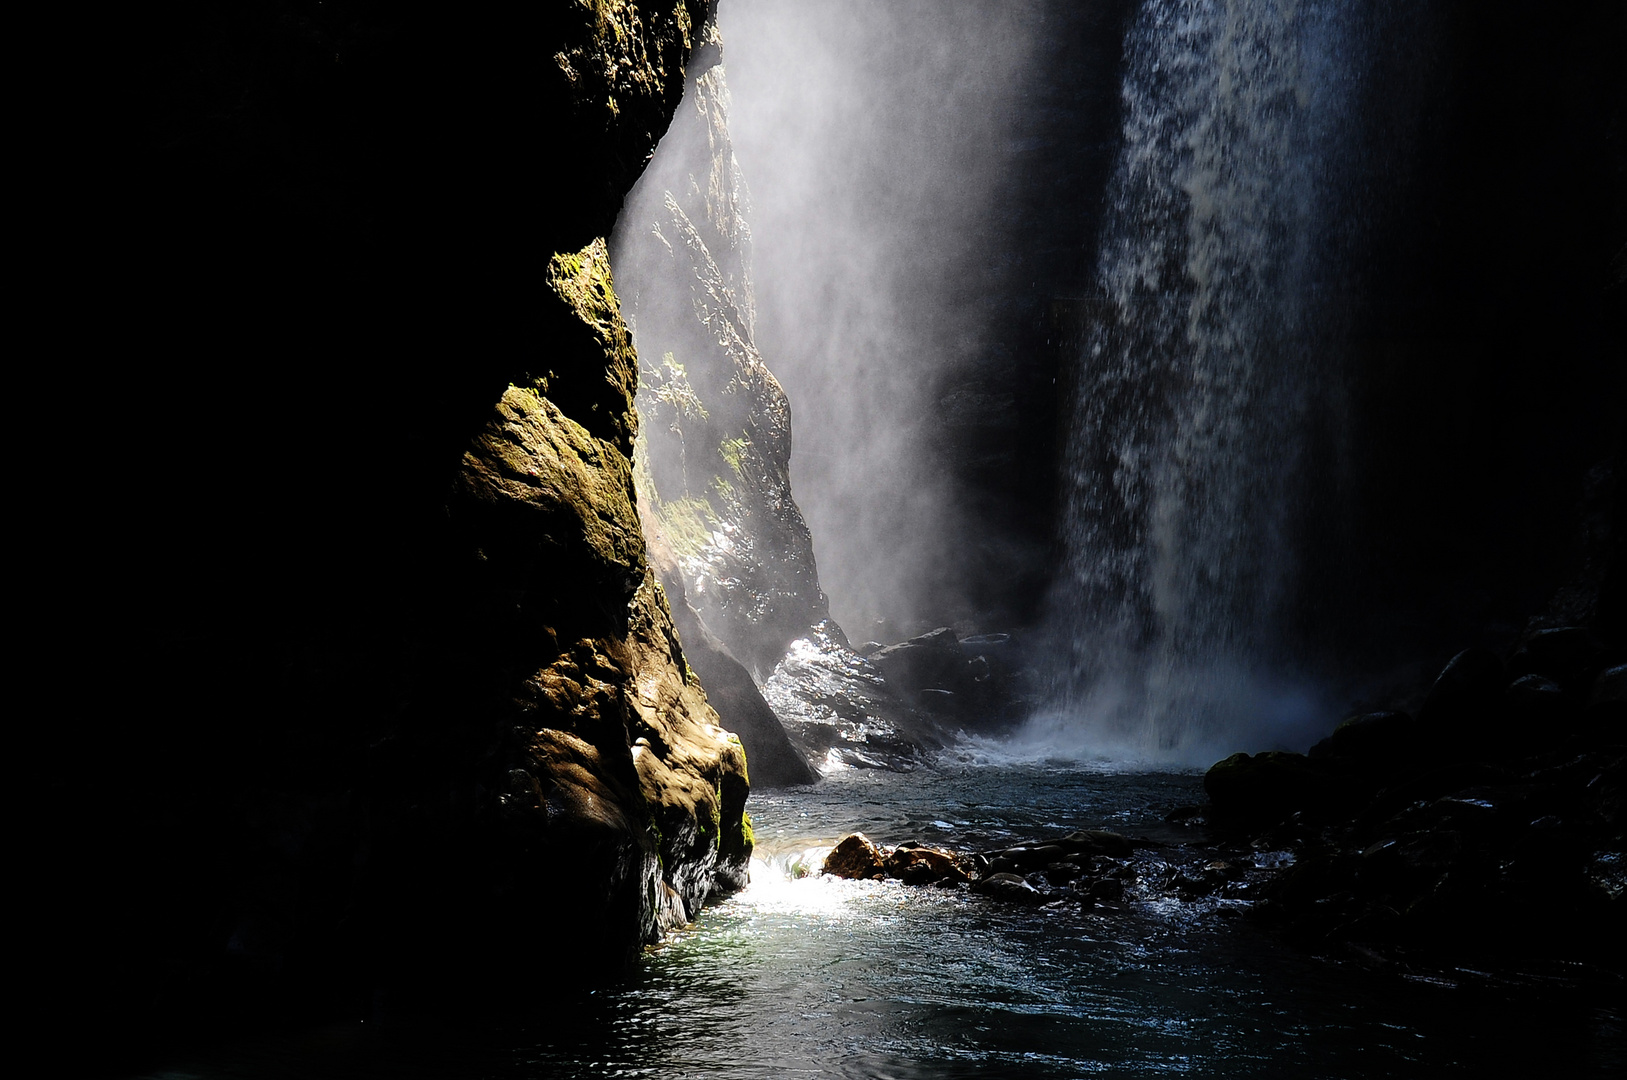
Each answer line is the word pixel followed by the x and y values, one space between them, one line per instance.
pixel 1204 365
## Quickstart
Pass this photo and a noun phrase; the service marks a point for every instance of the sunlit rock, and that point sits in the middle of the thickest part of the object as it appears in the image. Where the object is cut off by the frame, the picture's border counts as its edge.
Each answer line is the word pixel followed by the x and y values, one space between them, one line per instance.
pixel 856 856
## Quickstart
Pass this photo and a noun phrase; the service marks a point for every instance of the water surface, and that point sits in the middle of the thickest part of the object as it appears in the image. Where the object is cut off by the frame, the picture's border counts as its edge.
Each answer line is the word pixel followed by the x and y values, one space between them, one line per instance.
pixel 813 976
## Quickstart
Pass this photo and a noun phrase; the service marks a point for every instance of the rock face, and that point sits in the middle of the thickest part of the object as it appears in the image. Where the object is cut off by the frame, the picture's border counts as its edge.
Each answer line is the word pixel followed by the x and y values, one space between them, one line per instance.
pixel 714 465
pixel 717 426
pixel 419 722
pixel 540 497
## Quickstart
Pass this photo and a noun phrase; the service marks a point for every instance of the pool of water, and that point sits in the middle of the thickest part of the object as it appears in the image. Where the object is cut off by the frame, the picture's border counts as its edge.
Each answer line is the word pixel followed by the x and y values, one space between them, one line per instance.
pixel 812 976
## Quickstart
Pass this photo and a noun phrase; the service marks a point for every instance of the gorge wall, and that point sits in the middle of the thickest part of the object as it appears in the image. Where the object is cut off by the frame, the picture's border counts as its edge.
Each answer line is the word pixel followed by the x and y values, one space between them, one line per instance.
pixel 397 709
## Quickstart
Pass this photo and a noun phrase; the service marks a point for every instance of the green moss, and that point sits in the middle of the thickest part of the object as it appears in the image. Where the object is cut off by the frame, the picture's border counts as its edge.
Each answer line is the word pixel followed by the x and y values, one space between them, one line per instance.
pixel 583 278
pixel 731 451
pixel 583 281
pixel 746 833
pixel 689 524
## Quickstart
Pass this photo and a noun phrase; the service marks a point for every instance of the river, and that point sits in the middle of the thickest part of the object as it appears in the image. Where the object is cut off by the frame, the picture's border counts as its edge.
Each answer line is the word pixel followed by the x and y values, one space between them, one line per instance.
pixel 813 976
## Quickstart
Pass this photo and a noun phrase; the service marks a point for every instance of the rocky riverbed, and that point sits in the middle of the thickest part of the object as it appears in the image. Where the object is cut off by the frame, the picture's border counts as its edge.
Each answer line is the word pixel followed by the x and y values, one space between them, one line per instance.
pixel 1479 842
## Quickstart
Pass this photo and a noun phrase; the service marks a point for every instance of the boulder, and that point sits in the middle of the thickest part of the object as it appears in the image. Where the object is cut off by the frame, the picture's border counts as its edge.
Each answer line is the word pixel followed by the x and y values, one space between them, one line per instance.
pixel 855 856
pixel 1375 738
pixel 1609 693
pixel 1463 702
pixel 1539 713
pixel 932 660
pixel 1268 787
pixel 1570 656
pixel 1098 842
pixel 999 651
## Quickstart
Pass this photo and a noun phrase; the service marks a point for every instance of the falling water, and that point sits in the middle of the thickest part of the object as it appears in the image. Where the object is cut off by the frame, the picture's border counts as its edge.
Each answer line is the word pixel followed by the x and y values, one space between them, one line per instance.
pixel 1202 371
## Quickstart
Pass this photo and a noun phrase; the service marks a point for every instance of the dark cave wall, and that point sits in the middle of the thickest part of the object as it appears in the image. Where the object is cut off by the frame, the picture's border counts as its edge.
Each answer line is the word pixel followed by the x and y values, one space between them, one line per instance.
pixel 1476 443
pixel 395 705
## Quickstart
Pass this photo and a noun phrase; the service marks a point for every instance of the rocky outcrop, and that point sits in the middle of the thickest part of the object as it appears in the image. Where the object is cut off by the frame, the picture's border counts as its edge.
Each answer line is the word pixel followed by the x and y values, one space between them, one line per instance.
pixel 1085 870
pixel 542 500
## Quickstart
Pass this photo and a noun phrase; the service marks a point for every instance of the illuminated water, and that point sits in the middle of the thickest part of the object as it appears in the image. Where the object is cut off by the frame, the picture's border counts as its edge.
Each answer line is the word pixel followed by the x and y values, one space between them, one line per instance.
pixel 816 977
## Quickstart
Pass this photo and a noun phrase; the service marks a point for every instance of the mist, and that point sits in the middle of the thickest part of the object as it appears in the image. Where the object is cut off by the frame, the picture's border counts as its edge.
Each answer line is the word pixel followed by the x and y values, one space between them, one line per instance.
pixel 878 141
pixel 1133 325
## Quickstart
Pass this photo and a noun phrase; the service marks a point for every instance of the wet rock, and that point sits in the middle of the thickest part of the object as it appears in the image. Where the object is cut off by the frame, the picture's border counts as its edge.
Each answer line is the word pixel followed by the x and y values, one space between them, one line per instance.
pixel 1606 794
pixel 857 858
pixel 1064 872
pixel 1465 697
pixel 1203 880
pixel 1604 721
pixel 1610 688
pixel 1375 738
pixel 914 864
pixel 1077 849
pixel 1269 786
pixel 773 759
pixel 1009 888
pixel 1570 656
pixel 1098 842
pixel 1105 891
pixel 998 650
pixel 839 711
pixel 1538 714
pixel 930 661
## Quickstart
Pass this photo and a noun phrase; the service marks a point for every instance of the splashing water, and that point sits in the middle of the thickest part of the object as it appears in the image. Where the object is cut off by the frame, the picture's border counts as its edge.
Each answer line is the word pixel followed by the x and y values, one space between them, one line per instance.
pixel 1198 379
